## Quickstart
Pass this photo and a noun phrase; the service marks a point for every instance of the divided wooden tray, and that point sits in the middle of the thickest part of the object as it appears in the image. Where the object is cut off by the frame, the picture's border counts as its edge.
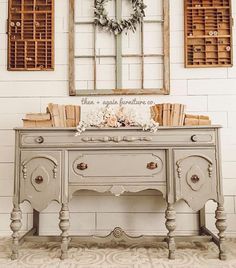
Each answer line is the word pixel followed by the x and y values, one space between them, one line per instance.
pixel 31 35
pixel 208 33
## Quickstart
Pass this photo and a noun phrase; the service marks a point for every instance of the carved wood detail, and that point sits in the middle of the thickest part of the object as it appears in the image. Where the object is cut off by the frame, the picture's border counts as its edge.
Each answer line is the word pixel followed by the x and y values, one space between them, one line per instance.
pixel 116 139
pixel 178 164
pixel 117 190
pixel 54 161
pixel 114 189
pixel 42 172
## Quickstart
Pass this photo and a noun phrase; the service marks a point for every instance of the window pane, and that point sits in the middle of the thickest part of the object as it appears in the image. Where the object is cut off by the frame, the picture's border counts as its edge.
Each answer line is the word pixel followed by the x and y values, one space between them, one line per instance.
pixel 132 72
pixel 153 38
pixel 131 42
pixel 84 10
pixel 105 43
pixel 84 73
pixel 106 69
pixel 153 72
pixel 154 9
pixel 84 39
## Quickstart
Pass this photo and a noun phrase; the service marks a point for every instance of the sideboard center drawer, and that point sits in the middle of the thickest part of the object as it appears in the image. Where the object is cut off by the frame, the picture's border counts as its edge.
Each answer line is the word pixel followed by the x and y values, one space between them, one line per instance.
pixel 116 166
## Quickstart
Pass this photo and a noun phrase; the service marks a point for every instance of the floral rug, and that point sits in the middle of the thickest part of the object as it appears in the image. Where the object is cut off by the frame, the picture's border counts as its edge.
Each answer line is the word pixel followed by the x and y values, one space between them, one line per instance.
pixel 46 255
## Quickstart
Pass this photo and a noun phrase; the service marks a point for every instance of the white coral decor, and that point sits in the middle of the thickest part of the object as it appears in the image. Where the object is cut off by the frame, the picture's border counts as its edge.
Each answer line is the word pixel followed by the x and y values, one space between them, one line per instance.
pixel 117 117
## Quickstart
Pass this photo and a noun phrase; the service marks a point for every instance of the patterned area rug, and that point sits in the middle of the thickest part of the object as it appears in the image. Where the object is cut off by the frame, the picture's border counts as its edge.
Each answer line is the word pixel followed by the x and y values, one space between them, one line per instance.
pixel 46 255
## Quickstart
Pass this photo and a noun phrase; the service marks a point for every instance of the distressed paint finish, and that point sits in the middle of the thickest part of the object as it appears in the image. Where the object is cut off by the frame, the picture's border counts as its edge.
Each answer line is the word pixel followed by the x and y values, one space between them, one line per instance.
pixel 169 161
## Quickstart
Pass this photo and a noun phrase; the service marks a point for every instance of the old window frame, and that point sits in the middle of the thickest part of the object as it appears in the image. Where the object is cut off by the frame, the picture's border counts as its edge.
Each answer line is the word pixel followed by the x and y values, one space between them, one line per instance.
pixel 166 59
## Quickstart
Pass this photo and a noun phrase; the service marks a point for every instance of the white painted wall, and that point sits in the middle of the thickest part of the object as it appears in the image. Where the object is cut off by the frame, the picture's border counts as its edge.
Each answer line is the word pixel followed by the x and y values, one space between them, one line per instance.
pixel 206 91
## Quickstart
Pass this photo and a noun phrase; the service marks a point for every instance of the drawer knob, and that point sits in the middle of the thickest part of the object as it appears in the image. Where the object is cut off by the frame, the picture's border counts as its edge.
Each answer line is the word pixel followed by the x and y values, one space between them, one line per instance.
pixel 82 166
pixel 195 179
pixel 39 139
pixel 152 165
pixel 194 138
pixel 39 179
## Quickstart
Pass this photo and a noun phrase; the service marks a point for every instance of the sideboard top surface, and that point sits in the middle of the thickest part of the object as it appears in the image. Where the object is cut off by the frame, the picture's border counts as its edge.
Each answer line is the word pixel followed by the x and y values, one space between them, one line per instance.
pixel 115 129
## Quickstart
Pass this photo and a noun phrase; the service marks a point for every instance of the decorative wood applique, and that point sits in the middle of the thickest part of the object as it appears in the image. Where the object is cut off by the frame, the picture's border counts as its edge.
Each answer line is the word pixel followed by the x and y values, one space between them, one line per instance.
pixel 208 33
pixel 31 35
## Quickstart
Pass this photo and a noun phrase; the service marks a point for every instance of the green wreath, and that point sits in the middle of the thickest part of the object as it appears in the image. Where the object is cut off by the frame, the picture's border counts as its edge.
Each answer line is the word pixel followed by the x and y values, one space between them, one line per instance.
pixel 117 27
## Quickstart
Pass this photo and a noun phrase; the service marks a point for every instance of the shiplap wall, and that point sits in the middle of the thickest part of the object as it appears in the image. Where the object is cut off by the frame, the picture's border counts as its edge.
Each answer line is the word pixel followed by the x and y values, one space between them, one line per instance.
pixel 205 91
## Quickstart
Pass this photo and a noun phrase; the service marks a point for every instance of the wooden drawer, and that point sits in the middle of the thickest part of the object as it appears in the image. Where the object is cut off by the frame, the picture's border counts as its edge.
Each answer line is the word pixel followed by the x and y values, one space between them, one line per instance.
pixel 116 137
pixel 117 166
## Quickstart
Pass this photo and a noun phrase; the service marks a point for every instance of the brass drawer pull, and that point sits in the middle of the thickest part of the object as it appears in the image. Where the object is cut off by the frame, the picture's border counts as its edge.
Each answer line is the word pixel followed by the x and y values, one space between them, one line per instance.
pixel 39 179
pixel 39 139
pixel 195 179
pixel 152 165
pixel 82 166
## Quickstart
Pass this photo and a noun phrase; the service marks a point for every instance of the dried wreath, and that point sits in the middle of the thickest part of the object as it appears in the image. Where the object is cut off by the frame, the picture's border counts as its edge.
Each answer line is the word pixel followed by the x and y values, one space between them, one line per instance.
pixel 101 17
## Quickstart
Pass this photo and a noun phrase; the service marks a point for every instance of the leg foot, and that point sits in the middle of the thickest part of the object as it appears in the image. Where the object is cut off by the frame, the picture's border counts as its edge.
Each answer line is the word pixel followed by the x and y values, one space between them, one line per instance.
pixel 221 227
pixel 170 225
pixel 36 221
pixel 64 226
pixel 16 224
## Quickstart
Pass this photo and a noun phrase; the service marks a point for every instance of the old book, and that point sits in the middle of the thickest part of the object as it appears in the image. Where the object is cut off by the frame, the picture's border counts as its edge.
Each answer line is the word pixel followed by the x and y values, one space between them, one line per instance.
pixel 179 115
pixel 165 114
pixel 155 113
pixel 196 122
pixel 152 112
pixel 182 114
pixel 37 123
pixel 171 114
pixel 77 115
pixel 38 116
pixel 204 117
pixel 176 114
pixel 53 109
pixel 160 108
pixel 62 115
pixel 70 115
pixel 169 105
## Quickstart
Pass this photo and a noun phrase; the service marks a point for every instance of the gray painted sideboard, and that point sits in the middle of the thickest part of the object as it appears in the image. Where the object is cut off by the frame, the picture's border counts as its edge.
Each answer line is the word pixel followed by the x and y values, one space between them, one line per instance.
pixel 180 162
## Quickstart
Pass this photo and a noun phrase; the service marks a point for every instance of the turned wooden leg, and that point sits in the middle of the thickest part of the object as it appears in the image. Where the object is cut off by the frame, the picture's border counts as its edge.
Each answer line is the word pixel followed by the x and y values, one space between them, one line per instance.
pixel 64 226
pixel 221 226
pixel 16 224
pixel 36 221
pixel 170 225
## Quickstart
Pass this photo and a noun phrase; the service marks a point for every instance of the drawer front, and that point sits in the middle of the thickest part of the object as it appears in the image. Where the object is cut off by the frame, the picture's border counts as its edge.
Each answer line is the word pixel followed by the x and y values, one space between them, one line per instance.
pixel 116 166
pixel 116 137
pixel 195 176
pixel 40 177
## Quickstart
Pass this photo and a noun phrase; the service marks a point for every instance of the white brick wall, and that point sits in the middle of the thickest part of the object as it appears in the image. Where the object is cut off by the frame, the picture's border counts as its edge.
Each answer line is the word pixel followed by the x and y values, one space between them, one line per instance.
pixel 207 91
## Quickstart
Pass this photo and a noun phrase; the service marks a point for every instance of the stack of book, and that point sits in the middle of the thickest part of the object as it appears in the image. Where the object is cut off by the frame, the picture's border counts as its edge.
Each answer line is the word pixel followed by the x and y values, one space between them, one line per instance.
pixel 37 120
pixel 196 120
pixel 64 115
pixel 168 114
pixel 56 116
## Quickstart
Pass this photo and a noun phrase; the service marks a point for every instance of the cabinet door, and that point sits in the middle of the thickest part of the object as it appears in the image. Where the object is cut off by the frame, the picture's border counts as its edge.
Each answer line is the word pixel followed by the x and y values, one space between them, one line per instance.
pixel 195 176
pixel 40 178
